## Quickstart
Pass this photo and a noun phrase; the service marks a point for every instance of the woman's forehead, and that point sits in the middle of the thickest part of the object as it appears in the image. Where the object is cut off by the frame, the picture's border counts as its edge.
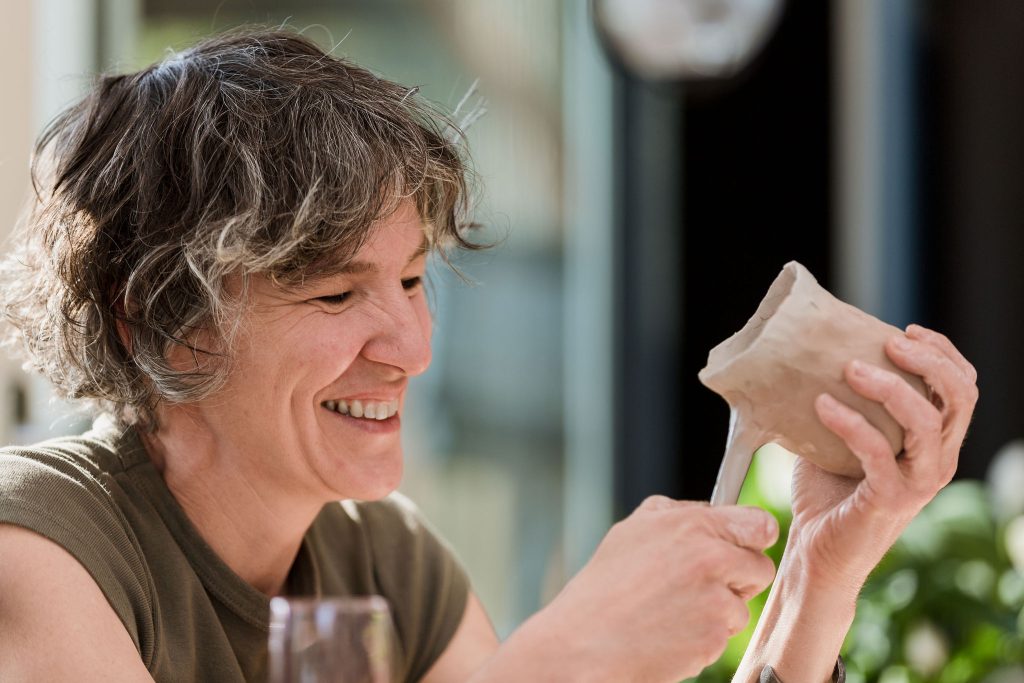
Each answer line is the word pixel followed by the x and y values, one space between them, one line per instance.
pixel 393 244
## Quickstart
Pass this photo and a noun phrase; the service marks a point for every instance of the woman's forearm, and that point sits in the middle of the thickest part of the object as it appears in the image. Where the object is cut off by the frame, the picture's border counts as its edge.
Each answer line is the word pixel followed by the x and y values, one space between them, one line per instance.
pixel 543 650
pixel 801 629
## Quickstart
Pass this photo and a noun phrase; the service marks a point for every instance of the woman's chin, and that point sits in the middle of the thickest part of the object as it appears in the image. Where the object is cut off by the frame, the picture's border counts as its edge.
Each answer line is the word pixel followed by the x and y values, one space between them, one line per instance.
pixel 376 485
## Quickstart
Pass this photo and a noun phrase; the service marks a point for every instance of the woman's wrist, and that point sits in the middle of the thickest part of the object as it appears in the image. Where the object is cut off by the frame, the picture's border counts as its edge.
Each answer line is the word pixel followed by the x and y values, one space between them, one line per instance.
pixel 803 625
pixel 842 566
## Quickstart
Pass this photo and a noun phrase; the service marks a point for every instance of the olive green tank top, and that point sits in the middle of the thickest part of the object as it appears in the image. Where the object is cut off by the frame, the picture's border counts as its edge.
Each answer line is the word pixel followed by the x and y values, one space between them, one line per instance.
pixel 191 617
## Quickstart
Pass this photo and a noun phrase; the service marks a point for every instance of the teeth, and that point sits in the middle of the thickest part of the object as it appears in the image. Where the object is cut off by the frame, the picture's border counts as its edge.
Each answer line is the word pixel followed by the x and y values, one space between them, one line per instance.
pixel 368 410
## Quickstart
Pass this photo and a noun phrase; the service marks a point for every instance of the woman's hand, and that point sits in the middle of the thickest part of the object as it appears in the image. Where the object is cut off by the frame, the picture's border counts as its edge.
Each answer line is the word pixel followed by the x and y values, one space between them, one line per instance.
pixel 843 527
pixel 664 592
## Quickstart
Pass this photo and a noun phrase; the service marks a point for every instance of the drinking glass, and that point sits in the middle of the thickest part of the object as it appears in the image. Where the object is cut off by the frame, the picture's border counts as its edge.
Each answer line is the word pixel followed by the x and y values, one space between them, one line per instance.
pixel 330 640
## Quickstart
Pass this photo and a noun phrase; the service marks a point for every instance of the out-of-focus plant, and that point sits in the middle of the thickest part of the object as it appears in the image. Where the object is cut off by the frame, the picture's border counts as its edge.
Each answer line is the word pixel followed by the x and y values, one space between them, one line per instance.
pixel 946 605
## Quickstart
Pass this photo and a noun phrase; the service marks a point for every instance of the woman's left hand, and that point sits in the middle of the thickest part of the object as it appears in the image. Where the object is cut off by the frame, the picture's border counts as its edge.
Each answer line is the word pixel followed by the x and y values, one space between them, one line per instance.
pixel 842 527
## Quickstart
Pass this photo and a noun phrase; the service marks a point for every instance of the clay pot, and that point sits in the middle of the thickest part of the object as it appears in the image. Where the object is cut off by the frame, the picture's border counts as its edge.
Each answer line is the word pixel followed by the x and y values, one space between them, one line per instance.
pixel 770 372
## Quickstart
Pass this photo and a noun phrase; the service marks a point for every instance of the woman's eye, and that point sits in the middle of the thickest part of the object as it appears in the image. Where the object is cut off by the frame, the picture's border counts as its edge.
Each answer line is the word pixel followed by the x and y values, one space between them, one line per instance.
pixel 335 299
pixel 408 284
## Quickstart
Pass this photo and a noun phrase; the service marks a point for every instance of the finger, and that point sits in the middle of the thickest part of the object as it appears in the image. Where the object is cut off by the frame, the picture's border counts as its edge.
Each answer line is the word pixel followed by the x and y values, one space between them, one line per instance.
pixel 738 614
pixel 921 421
pixel 943 342
pixel 657 503
pixel 748 572
pixel 745 527
pixel 958 393
pixel 861 437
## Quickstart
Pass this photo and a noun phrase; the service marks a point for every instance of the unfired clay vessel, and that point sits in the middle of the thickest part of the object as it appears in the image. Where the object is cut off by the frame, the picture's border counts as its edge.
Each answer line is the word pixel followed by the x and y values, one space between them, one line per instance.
pixel 770 372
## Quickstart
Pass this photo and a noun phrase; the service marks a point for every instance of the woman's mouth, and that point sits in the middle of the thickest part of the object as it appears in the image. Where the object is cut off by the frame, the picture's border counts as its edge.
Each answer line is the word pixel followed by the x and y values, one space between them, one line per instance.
pixel 364 409
pixel 374 417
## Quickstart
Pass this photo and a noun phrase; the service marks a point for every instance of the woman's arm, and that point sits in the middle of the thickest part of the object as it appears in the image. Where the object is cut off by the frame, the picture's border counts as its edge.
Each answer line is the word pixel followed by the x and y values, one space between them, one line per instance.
pixel 842 528
pixel 473 644
pixel 44 588
pixel 657 603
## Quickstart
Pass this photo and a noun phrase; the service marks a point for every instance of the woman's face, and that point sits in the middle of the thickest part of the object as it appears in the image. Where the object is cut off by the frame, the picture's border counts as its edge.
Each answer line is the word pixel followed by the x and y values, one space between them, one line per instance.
pixel 346 343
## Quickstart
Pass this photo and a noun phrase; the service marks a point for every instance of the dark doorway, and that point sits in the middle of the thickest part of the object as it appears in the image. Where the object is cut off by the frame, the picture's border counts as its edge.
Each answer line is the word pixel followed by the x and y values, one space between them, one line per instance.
pixel 752 159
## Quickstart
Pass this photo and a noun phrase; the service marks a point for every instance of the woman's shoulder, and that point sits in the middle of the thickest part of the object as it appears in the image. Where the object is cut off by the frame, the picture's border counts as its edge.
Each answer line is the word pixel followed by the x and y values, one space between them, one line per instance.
pixel 65 490
pixel 59 472
pixel 69 463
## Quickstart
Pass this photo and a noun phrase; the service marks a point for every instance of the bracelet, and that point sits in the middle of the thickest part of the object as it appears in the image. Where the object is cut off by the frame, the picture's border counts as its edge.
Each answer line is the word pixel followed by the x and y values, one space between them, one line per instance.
pixel 838 673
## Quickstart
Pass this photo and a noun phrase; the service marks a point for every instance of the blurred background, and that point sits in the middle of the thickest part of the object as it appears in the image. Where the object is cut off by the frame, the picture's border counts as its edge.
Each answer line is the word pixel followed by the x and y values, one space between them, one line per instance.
pixel 644 207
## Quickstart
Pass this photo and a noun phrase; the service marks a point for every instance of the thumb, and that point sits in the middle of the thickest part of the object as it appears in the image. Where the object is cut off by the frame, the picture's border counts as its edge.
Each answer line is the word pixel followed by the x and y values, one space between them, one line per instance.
pixel 746 527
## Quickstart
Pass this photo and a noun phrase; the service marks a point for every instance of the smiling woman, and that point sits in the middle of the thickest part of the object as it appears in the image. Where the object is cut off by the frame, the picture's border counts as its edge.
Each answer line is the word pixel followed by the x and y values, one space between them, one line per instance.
pixel 225 260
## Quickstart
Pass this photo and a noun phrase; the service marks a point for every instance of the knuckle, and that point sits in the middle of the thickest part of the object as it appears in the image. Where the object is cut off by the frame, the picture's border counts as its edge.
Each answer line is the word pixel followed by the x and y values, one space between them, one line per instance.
pixel 888 384
pixel 916 331
pixel 888 489
pixel 875 453
pixel 704 522
pixel 931 421
pixel 932 336
pixel 655 503
pixel 856 421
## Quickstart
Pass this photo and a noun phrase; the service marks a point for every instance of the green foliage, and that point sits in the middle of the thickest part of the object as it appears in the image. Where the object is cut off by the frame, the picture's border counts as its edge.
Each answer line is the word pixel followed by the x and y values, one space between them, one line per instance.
pixel 946 605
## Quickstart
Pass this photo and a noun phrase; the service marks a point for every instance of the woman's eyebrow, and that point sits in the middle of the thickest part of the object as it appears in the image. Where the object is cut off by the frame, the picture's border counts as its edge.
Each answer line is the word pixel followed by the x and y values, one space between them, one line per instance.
pixel 361 267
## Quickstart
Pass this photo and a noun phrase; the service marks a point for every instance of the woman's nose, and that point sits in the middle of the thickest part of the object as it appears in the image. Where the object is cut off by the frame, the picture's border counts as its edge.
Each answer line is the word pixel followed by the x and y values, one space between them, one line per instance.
pixel 402 338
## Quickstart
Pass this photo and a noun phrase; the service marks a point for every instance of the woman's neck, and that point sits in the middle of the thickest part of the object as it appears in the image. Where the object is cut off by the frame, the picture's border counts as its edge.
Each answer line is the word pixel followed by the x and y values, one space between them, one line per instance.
pixel 252 524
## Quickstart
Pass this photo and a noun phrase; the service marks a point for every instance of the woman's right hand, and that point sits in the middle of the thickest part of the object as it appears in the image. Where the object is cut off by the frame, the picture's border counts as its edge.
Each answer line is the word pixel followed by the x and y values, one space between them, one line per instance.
pixel 665 590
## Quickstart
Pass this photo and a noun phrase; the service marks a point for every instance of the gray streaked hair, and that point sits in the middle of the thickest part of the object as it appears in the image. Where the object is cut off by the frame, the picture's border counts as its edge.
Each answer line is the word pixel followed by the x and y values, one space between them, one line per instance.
pixel 253 152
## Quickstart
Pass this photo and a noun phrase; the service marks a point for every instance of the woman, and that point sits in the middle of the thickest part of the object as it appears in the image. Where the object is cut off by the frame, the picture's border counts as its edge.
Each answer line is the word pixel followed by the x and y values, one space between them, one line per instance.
pixel 226 260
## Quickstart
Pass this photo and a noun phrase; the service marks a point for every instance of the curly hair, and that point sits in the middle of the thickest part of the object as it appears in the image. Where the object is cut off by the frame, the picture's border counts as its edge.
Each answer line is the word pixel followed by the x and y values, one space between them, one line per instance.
pixel 253 152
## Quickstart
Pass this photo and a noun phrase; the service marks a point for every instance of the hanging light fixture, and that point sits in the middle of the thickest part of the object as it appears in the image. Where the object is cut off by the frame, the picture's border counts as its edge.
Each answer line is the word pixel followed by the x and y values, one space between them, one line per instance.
pixel 670 40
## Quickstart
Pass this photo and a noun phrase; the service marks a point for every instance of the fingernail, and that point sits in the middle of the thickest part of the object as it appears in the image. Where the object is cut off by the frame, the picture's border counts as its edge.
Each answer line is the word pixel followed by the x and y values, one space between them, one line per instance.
pixel 859 369
pixel 827 401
